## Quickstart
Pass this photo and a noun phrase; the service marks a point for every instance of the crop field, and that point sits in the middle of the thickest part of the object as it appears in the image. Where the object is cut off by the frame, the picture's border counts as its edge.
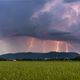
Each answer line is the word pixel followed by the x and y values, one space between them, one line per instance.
pixel 40 70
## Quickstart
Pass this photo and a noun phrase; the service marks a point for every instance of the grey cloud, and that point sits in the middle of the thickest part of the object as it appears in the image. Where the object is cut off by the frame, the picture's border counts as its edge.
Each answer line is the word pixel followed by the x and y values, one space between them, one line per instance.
pixel 15 20
pixel 71 0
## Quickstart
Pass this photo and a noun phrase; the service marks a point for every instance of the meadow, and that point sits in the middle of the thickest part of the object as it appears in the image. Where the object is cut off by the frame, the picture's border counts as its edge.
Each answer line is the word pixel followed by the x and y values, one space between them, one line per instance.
pixel 40 70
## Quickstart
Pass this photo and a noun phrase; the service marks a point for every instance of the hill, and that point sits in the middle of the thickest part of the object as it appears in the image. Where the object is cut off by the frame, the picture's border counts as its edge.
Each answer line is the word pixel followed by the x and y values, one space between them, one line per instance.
pixel 40 56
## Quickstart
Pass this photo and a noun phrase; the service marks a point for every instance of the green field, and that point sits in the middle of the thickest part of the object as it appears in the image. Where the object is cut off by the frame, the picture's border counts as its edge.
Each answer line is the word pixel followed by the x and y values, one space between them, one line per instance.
pixel 40 70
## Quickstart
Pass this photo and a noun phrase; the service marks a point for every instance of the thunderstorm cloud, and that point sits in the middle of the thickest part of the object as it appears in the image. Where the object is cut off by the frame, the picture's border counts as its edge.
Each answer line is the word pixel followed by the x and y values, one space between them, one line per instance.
pixel 43 19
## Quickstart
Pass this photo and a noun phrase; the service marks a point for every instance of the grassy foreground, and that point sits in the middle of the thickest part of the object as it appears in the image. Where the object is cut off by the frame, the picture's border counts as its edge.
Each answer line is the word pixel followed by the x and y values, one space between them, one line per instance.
pixel 36 70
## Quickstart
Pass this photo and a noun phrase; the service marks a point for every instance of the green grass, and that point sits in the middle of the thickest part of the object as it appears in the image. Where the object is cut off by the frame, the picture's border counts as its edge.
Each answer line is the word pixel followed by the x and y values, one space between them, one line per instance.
pixel 40 70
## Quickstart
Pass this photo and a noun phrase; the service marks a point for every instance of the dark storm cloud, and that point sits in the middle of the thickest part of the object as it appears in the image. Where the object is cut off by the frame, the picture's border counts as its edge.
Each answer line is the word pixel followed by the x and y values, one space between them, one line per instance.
pixel 63 36
pixel 14 16
pixel 71 0
pixel 17 18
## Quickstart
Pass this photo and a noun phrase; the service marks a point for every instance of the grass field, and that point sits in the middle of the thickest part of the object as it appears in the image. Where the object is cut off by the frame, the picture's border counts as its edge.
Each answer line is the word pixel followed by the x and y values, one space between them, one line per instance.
pixel 36 70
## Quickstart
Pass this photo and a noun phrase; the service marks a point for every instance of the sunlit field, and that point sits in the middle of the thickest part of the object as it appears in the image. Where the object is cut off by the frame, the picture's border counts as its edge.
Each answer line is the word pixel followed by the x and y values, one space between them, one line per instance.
pixel 40 70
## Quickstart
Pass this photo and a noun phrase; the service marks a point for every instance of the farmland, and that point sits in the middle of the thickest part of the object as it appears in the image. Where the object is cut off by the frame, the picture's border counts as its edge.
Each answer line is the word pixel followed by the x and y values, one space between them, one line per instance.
pixel 40 70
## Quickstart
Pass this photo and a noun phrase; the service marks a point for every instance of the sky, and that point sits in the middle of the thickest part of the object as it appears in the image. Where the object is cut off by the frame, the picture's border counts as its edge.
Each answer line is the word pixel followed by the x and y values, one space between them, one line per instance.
pixel 39 25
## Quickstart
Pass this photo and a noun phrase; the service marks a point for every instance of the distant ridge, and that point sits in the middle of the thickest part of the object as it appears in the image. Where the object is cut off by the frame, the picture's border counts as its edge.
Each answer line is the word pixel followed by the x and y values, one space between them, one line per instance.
pixel 40 56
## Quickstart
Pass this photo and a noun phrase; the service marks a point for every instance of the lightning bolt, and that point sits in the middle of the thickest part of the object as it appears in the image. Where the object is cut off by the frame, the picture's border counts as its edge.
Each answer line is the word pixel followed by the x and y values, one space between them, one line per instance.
pixel 31 44
pixel 57 46
pixel 44 45
pixel 59 43
pixel 67 50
